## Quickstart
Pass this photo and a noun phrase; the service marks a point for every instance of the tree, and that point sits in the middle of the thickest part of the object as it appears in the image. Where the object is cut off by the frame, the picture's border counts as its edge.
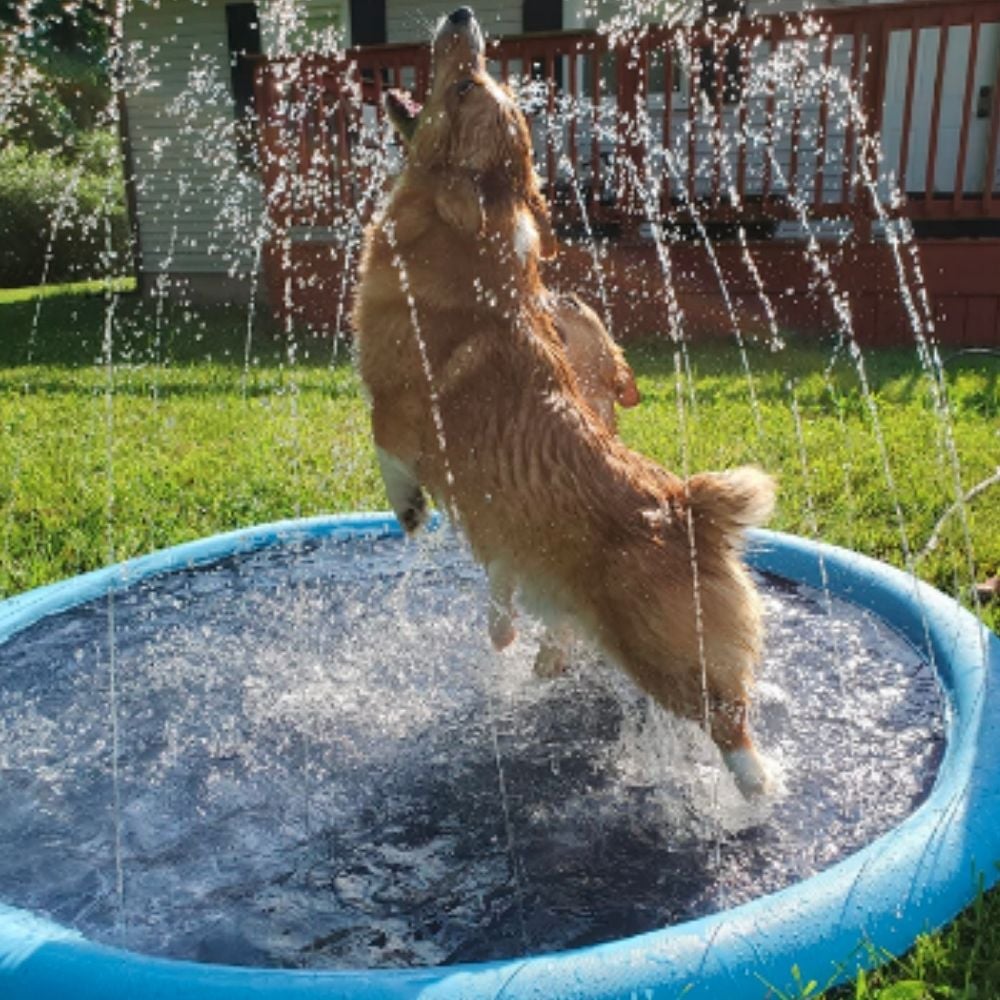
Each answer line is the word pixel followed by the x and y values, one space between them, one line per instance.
pixel 60 47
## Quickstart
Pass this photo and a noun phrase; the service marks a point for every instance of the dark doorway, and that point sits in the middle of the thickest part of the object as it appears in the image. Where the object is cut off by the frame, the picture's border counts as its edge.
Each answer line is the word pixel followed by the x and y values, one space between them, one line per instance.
pixel 723 8
pixel 732 55
pixel 368 24
pixel 243 35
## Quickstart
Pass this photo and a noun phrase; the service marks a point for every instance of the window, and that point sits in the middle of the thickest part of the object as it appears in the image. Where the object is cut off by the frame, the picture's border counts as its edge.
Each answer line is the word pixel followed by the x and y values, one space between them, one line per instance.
pixel 243 30
pixel 538 16
pixel 541 15
pixel 723 8
pixel 368 24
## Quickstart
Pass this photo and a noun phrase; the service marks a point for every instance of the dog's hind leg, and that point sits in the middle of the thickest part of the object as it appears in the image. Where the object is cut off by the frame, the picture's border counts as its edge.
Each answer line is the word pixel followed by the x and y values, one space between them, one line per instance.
pixel 403 490
pixel 731 734
pixel 552 659
pixel 501 613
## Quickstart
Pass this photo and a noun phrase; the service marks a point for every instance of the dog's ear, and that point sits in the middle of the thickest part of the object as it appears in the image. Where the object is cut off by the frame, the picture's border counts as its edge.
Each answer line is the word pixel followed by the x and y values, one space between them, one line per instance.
pixel 403 114
pixel 459 202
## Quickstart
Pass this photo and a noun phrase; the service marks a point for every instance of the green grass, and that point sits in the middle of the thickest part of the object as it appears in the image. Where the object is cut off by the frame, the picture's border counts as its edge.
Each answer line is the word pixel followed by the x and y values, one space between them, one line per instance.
pixel 874 481
pixel 103 462
pixel 192 430
pixel 960 962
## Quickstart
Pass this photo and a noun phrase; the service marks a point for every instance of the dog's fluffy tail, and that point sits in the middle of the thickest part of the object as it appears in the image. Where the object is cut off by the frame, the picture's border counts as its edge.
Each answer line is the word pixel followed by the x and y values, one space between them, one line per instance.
pixel 729 502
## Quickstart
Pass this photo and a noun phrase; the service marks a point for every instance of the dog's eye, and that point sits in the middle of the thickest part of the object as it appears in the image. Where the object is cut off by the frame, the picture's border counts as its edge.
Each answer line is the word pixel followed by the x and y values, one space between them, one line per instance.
pixel 464 86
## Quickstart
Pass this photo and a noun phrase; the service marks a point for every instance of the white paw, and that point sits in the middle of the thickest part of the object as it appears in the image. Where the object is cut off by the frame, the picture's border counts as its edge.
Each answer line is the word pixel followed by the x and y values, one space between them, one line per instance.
pixel 415 514
pixel 753 775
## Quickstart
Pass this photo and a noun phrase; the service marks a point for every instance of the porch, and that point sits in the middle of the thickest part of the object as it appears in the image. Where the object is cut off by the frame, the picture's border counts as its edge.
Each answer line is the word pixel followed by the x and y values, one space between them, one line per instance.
pixel 702 158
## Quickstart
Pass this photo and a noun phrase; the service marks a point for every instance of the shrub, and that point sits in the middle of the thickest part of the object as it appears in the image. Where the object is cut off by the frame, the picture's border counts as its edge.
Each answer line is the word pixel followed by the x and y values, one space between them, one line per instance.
pixel 68 208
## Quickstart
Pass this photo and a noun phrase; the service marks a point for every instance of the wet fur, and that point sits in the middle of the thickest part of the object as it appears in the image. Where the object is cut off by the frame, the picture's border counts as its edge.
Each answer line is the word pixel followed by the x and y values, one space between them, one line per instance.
pixel 473 398
pixel 603 375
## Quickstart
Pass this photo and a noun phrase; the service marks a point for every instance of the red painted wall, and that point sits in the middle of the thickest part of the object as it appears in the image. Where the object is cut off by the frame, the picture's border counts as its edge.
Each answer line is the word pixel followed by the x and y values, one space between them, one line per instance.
pixel 962 281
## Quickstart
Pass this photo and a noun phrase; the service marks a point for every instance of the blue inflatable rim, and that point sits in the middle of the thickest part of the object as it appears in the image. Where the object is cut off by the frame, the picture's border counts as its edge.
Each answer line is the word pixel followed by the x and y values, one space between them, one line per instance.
pixel 914 878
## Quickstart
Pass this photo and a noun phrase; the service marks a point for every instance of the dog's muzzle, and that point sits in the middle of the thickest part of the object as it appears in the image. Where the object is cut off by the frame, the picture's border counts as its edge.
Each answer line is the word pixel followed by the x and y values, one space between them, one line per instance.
pixel 462 21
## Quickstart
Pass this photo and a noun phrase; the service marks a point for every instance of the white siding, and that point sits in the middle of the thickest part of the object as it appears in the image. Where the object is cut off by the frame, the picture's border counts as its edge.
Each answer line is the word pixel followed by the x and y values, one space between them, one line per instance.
pixel 297 26
pixel 951 112
pixel 198 208
pixel 196 205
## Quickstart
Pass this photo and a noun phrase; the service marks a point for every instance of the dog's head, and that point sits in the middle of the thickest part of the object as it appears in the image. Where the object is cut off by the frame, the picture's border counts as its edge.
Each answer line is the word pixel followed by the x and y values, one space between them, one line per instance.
pixel 471 133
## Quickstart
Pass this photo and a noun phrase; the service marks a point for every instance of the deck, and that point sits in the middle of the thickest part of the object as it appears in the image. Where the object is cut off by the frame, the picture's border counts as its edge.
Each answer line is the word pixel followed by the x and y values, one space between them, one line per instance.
pixel 734 144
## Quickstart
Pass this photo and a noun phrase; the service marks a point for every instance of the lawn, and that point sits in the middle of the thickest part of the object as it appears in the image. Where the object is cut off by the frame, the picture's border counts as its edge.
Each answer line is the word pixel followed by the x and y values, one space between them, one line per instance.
pixel 124 428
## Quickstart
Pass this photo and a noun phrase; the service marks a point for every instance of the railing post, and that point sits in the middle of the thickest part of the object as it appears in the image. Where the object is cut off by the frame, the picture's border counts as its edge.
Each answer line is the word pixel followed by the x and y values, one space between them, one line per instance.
pixel 873 103
pixel 630 88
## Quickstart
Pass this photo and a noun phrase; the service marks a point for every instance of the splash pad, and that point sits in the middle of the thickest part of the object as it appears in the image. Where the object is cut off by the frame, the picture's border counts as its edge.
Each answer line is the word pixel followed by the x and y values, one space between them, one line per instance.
pixel 912 877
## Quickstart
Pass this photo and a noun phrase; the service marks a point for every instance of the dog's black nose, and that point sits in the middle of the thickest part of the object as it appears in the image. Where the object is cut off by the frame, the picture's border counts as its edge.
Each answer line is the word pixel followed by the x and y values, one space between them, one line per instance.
pixel 461 16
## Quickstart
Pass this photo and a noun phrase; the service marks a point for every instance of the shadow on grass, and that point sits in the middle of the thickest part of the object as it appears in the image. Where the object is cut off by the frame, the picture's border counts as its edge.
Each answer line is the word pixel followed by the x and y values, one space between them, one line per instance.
pixel 71 331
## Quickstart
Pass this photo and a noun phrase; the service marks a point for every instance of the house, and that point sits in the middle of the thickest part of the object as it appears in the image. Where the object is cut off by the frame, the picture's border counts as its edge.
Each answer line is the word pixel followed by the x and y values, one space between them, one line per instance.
pixel 226 210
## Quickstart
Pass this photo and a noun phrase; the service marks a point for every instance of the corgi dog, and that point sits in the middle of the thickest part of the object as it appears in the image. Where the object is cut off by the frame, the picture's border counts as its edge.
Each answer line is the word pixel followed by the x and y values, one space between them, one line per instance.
pixel 473 400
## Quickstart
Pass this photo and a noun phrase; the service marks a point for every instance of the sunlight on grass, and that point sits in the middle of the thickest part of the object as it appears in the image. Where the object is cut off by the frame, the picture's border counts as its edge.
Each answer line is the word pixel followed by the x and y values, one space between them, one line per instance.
pixel 74 288
pixel 202 425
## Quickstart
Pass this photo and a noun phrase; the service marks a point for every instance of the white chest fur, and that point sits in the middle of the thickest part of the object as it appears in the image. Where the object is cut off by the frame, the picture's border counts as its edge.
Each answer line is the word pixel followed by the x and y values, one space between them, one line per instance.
pixel 526 239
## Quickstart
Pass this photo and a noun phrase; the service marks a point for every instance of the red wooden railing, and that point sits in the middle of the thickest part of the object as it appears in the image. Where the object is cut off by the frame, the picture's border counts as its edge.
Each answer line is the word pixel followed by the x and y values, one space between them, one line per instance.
pixel 758 120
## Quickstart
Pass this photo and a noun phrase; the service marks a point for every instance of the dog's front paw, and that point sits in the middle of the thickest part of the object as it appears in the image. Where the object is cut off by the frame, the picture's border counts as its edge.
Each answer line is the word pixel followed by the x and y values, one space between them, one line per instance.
pixel 502 631
pixel 414 515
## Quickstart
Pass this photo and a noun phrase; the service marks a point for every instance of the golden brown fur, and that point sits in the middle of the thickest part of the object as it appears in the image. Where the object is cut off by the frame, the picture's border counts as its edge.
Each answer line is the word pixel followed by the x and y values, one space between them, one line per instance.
pixel 603 375
pixel 472 397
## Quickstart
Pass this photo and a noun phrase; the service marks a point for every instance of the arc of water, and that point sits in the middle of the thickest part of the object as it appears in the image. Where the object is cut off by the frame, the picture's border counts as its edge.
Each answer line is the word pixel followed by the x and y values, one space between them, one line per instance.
pixel 113 679
pixel 682 376
pixel 596 267
pixel 842 312
pixel 812 521
pixel 922 326
pixel 722 146
pixel 356 219
pixel 935 536
pixel 261 231
pixel 116 57
pixel 648 184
